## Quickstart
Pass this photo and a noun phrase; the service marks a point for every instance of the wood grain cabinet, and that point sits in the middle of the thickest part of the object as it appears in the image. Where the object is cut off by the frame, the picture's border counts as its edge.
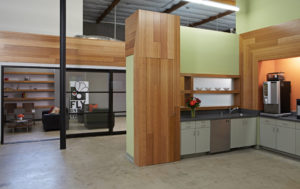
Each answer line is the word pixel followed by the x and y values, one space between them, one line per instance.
pixel 243 132
pixel 195 137
pixel 278 134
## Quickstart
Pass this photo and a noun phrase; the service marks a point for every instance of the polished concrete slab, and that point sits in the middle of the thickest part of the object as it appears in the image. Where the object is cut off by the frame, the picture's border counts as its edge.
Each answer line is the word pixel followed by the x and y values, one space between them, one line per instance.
pixel 100 162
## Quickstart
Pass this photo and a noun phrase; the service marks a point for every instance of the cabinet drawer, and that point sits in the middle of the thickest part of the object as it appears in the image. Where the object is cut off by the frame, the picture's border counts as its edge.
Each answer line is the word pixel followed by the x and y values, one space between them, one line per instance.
pixel 188 125
pixel 286 124
pixel 297 125
pixel 202 124
pixel 267 121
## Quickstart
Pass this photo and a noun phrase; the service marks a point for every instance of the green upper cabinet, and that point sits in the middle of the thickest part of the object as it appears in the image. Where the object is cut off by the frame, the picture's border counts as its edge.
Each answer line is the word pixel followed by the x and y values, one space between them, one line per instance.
pixel 257 14
pixel 208 52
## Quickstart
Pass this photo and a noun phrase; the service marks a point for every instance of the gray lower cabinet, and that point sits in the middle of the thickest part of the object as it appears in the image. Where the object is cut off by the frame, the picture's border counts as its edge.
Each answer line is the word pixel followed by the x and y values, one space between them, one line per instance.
pixel 278 134
pixel 195 137
pixel 243 132
pixel 298 139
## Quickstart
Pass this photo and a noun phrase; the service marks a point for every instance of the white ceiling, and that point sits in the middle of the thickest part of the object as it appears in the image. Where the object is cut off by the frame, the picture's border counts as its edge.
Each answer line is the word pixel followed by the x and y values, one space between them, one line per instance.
pixel 189 13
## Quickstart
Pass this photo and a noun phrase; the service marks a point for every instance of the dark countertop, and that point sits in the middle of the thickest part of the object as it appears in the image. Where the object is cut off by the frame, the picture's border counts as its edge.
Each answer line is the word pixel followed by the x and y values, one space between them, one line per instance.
pixel 224 114
pixel 292 117
pixel 217 114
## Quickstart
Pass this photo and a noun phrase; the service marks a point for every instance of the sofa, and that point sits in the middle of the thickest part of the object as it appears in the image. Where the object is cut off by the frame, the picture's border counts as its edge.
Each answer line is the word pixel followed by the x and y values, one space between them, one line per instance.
pixel 51 122
pixel 97 119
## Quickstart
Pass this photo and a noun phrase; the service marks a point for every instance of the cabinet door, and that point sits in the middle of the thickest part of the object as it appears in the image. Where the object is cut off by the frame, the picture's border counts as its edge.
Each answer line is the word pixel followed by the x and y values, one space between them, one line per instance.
pixel 237 133
pixel 188 141
pixel 298 141
pixel 267 135
pixel 250 131
pixel 203 140
pixel 286 139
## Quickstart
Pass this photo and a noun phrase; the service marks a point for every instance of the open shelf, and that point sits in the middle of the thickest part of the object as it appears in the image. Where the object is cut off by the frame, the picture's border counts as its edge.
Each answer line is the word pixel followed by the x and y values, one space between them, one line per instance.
pixel 29 99
pixel 29 73
pixel 47 82
pixel 37 107
pixel 210 75
pixel 211 92
pixel 188 86
pixel 28 90
pixel 184 108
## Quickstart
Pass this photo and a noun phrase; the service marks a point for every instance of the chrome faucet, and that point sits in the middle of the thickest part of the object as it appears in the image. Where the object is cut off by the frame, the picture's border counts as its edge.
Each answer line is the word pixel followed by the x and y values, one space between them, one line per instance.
pixel 233 109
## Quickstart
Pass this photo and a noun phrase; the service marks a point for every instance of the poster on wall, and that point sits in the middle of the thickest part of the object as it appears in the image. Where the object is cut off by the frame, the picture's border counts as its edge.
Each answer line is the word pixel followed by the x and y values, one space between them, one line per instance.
pixel 79 95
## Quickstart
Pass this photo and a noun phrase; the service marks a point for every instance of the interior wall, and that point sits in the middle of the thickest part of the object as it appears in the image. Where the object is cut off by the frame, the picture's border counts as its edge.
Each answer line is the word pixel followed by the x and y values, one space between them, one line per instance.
pixel 40 16
pixel 130 106
pixel 256 14
pixel 209 52
pixel 104 29
pixel 291 67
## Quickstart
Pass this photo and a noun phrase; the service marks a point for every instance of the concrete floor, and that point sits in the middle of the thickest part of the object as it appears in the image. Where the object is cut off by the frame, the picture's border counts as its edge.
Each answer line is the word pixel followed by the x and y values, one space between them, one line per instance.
pixel 36 132
pixel 100 163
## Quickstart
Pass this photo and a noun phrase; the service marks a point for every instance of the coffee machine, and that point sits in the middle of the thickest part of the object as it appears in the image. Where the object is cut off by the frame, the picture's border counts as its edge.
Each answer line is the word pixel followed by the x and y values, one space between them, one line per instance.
pixel 298 108
pixel 276 94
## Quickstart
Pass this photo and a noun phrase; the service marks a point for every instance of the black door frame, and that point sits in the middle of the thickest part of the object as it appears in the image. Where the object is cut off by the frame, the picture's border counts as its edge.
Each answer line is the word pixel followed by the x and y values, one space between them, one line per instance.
pixel 110 92
pixel 110 105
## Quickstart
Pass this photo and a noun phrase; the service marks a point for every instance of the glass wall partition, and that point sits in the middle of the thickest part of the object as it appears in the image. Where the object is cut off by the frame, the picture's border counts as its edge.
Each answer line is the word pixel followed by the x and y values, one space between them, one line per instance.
pixel 96 102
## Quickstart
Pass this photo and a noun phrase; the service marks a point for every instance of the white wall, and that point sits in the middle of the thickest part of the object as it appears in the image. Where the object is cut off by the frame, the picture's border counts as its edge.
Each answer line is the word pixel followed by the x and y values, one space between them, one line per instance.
pixel 40 16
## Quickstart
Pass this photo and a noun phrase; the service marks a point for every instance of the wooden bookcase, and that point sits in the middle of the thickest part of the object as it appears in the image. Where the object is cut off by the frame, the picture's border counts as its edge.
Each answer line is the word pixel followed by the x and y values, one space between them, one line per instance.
pixel 187 90
pixel 15 90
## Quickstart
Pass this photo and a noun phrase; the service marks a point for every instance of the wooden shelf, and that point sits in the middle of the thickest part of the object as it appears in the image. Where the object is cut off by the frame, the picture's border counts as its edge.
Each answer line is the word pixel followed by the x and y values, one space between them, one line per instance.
pixel 37 107
pixel 183 108
pixel 217 92
pixel 29 73
pixel 47 82
pixel 28 90
pixel 29 99
pixel 210 76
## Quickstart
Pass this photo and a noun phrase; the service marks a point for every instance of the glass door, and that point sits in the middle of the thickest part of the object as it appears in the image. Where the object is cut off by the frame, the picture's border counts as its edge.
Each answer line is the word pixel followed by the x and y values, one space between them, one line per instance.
pixel 87 102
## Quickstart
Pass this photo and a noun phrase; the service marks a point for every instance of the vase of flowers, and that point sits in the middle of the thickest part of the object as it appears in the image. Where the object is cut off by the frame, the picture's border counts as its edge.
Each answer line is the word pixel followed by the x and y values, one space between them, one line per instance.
pixel 20 116
pixel 193 103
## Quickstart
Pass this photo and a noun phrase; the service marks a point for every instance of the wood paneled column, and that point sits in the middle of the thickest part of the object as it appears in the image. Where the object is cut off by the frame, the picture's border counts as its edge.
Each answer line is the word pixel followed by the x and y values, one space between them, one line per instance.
pixel 154 41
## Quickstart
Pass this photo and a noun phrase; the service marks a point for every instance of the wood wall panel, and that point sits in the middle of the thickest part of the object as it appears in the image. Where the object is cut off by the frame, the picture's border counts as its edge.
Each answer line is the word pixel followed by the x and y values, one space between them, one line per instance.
pixel 275 42
pixel 33 48
pixel 156 86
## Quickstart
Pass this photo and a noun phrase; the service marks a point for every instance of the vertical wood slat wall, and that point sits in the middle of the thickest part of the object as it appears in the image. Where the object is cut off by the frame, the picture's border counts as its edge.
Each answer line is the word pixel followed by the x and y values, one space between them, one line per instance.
pixel 154 40
pixel 275 42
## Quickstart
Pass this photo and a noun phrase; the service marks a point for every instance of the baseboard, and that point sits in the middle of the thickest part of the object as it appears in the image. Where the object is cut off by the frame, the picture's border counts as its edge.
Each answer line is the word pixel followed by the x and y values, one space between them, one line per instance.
pixel 129 157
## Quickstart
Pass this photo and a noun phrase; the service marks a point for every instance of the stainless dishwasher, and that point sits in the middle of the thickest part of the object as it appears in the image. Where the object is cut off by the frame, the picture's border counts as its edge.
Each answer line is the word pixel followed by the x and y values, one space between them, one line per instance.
pixel 220 135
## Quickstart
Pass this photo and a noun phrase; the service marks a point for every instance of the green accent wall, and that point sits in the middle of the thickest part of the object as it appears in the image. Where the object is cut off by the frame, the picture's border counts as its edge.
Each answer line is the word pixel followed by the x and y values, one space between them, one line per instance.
pixel 209 52
pixel 257 14
pixel 129 106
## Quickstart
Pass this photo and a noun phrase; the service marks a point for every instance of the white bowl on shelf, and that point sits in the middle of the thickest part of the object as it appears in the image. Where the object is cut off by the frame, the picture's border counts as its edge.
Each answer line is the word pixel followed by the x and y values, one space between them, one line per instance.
pixel 226 89
pixel 217 88
pixel 208 88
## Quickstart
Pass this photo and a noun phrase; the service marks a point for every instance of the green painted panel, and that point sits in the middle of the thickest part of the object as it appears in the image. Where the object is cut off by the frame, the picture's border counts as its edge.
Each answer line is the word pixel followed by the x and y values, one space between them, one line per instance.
pixel 129 106
pixel 206 51
pixel 257 14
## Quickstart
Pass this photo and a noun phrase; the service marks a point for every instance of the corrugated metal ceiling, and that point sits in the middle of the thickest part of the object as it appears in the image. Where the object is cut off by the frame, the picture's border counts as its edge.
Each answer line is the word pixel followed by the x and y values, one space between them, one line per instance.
pixel 189 13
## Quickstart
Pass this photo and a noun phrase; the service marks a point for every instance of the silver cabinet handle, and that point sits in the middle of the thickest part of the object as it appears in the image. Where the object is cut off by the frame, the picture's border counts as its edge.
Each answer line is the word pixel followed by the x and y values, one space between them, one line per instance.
pixel 277 130
pixel 194 133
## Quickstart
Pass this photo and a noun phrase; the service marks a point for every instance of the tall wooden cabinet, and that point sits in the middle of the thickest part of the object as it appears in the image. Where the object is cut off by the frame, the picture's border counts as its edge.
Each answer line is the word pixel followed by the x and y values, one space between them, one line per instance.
pixel 153 39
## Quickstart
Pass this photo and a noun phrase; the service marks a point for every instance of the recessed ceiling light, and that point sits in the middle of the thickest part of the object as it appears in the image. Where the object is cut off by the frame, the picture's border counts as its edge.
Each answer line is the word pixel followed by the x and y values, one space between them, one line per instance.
pixel 215 4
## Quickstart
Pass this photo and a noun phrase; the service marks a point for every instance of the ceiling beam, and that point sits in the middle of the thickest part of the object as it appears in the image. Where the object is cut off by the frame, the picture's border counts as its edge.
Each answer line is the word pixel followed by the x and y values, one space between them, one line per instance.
pixel 212 18
pixel 108 10
pixel 176 6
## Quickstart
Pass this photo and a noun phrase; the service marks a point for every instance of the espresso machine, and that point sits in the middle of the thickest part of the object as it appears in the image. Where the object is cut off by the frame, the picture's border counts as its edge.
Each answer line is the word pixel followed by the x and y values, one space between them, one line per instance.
pixel 276 94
